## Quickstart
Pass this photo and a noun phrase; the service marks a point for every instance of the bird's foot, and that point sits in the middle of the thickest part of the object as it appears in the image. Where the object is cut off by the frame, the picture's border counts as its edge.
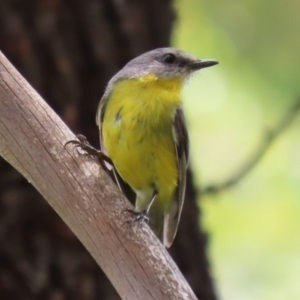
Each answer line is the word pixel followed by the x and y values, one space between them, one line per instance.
pixel 137 217
pixel 83 144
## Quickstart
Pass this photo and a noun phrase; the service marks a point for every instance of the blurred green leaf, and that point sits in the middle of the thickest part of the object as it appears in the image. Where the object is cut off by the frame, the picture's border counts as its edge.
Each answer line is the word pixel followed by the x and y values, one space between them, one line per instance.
pixel 254 240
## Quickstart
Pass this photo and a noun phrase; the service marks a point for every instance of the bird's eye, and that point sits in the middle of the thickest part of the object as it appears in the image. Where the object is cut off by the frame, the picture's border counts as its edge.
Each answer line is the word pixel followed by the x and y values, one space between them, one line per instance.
pixel 169 58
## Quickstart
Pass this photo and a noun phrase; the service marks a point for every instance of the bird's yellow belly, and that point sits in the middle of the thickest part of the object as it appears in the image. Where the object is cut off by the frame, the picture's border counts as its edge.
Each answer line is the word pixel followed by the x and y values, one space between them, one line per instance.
pixel 145 158
pixel 137 134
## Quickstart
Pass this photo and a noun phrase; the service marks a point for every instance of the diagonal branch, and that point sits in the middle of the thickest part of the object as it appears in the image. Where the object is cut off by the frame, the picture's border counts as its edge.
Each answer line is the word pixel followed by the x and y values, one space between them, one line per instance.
pixel 32 139
pixel 269 137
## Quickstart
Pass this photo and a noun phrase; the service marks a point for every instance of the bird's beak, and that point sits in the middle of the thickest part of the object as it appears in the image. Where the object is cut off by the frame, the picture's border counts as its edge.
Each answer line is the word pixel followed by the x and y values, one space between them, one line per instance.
pixel 201 64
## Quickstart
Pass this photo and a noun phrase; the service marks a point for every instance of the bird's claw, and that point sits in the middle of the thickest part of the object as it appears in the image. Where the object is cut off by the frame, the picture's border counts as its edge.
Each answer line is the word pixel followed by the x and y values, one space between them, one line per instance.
pixel 83 144
pixel 136 217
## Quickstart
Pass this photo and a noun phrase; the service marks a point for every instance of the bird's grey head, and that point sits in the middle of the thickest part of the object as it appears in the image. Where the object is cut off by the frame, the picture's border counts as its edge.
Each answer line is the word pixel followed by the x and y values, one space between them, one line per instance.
pixel 166 63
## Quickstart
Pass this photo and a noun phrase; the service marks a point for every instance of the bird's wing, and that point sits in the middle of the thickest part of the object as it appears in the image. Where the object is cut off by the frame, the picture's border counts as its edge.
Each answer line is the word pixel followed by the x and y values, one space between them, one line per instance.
pixel 99 120
pixel 123 186
pixel 172 216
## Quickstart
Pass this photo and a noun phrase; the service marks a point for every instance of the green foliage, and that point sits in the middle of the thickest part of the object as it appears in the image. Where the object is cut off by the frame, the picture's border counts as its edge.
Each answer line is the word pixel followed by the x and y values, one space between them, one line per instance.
pixel 254 244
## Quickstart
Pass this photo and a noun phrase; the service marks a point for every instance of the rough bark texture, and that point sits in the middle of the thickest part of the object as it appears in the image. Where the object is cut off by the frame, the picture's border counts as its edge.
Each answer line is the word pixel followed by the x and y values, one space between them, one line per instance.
pixel 68 50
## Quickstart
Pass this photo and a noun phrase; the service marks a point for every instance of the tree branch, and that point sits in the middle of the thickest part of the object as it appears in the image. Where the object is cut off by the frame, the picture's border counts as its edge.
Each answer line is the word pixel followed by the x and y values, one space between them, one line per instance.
pixel 32 139
pixel 269 137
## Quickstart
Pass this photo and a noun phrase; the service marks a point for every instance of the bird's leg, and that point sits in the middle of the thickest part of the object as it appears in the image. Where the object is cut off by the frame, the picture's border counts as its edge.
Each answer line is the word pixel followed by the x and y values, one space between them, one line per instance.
pixel 141 215
pixel 146 211
pixel 83 144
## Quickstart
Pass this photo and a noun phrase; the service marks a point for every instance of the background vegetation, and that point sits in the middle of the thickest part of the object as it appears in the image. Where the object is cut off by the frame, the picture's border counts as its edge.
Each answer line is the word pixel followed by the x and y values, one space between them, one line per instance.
pixel 254 240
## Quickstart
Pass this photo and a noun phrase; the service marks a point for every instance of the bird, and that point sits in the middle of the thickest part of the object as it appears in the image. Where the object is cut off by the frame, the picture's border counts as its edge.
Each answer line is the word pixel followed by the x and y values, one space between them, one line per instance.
pixel 143 134
pixel 143 131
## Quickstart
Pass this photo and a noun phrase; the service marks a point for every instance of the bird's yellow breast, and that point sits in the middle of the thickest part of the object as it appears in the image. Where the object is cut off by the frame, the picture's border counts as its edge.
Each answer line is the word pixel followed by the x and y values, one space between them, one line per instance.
pixel 137 133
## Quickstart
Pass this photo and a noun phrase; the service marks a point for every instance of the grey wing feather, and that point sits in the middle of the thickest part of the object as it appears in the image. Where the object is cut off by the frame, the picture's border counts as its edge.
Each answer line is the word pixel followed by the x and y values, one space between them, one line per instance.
pixel 172 216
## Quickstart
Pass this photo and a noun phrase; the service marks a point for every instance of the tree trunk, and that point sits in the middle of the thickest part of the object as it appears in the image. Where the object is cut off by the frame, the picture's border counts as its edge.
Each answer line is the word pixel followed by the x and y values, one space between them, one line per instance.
pixel 68 50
